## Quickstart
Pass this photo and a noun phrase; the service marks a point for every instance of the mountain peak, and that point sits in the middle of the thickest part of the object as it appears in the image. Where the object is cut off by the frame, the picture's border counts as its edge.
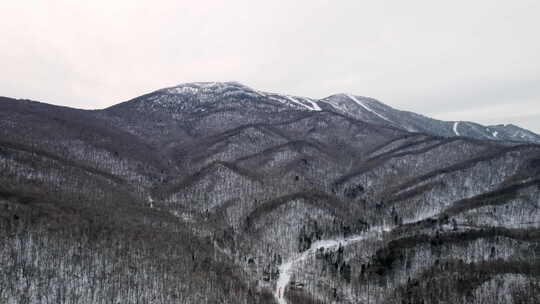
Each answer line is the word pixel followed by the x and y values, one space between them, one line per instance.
pixel 211 97
pixel 198 87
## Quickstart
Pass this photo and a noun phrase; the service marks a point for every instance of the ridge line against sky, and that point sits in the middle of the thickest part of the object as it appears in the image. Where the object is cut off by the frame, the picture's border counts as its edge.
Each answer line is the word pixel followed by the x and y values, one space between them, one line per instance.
pixel 460 60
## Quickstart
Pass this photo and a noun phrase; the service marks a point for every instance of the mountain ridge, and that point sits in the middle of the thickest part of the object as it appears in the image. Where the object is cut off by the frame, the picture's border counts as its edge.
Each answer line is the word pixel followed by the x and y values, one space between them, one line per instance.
pixel 218 193
pixel 355 106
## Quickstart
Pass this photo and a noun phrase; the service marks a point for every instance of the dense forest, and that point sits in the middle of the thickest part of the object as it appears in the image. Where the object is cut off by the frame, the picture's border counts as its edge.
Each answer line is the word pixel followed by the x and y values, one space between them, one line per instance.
pixel 218 193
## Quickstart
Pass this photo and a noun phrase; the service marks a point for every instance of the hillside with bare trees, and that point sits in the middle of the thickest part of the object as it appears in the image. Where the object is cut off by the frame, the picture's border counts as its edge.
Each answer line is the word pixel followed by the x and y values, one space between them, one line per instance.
pixel 219 193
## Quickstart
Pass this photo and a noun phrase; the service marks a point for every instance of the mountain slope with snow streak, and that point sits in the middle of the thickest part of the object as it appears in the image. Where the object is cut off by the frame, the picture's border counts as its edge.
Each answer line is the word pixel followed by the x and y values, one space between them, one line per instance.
pixel 455 128
pixel 286 268
pixel 199 97
pixel 366 107
pixel 219 193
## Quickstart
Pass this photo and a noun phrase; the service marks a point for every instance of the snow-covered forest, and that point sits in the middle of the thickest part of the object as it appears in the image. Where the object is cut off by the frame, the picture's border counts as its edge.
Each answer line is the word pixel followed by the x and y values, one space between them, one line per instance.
pixel 218 193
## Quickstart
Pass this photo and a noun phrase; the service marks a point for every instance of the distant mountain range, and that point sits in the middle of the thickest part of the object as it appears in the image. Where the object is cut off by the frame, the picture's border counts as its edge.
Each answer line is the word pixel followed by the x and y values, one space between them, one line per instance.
pixel 358 107
pixel 219 193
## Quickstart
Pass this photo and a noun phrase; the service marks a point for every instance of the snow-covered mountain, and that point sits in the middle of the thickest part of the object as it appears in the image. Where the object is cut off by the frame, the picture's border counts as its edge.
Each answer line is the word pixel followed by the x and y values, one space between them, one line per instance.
pixel 219 193
pixel 199 96
pixel 377 112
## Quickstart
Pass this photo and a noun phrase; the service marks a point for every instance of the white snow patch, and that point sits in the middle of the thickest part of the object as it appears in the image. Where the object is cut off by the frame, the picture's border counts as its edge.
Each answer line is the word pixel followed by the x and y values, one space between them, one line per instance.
pixel 366 107
pixel 495 133
pixel 260 93
pixel 314 105
pixel 183 216
pixel 456 124
pixel 298 102
pixel 226 88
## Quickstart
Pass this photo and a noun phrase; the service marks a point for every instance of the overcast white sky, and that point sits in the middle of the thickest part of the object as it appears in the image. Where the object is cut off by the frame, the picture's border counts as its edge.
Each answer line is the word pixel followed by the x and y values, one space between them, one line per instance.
pixel 473 60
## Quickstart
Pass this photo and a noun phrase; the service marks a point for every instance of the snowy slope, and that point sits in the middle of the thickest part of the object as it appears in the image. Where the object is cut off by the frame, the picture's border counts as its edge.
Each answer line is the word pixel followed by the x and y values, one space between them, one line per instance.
pixel 207 96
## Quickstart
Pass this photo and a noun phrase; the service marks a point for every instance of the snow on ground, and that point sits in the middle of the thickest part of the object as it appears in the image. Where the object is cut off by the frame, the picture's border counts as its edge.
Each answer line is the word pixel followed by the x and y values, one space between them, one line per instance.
pixel 285 270
pixel 314 105
pixel 260 93
pixel 366 107
pixel 456 124
pixel 298 102
pixel 301 101
pixel 335 105
pixel 226 88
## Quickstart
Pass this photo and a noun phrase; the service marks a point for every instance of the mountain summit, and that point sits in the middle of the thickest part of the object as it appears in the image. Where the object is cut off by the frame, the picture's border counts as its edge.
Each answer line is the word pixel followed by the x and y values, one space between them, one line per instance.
pixel 211 96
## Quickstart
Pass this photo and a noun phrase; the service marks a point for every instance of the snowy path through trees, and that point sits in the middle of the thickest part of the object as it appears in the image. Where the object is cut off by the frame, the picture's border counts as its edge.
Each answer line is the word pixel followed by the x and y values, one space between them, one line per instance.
pixel 285 270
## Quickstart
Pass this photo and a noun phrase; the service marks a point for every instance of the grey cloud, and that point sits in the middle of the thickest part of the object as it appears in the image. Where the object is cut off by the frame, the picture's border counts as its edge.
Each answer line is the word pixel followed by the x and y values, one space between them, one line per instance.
pixel 432 57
